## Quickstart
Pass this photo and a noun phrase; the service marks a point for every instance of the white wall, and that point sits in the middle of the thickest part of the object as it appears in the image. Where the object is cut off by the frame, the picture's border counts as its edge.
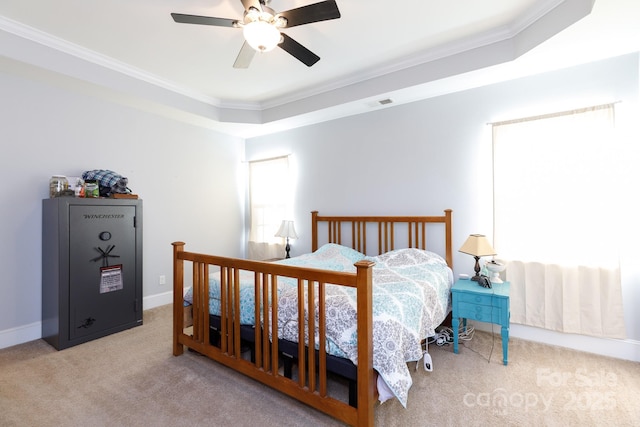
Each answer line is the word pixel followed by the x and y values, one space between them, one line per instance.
pixel 189 177
pixel 434 154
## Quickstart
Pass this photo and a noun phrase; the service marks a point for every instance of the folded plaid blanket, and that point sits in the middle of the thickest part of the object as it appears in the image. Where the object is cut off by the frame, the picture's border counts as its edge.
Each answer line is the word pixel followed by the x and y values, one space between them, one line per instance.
pixel 108 181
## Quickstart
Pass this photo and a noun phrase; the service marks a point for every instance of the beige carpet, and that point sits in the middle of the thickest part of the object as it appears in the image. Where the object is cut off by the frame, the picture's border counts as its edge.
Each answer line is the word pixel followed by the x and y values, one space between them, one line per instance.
pixel 131 379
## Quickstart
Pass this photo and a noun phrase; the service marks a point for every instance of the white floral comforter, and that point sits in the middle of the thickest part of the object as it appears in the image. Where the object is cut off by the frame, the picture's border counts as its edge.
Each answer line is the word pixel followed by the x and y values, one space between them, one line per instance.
pixel 411 290
pixel 411 297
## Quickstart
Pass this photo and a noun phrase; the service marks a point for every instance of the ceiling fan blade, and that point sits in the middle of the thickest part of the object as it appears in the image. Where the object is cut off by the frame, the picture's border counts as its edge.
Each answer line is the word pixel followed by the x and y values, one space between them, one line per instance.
pixel 322 11
pixel 203 20
pixel 244 56
pixel 252 3
pixel 300 52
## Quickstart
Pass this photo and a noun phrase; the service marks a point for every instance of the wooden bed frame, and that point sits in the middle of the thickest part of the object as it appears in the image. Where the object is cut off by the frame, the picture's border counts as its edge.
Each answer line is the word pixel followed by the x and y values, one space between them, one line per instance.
pixel 310 384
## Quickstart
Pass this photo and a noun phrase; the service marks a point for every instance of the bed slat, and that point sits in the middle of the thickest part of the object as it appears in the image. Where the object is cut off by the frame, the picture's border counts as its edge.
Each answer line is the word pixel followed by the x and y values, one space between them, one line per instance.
pixel 302 358
pixel 322 340
pixel 235 324
pixel 273 362
pixel 311 328
pixel 256 313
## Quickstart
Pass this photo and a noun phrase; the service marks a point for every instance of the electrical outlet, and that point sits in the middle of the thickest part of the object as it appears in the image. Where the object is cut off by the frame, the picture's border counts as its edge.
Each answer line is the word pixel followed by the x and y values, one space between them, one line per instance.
pixel 162 280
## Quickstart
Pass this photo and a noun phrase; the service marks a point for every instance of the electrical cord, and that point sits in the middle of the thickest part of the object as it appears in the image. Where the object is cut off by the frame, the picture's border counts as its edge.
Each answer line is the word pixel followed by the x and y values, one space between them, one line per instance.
pixel 493 336
pixel 444 336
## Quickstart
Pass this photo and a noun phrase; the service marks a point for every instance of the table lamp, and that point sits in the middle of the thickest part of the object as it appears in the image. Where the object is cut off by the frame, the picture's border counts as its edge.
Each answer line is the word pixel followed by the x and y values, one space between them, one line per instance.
pixel 478 246
pixel 287 231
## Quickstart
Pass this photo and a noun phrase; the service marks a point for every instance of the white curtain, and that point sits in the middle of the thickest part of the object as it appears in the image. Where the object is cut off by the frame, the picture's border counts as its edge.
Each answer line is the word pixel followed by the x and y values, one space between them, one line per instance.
pixel 265 251
pixel 270 202
pixel 555 198
pixel 573 299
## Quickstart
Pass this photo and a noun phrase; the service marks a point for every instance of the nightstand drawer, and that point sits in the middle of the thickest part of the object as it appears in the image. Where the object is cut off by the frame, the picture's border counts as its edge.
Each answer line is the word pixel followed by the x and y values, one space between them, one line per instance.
pixel 474 298
pixel 482 313
pixel 490 300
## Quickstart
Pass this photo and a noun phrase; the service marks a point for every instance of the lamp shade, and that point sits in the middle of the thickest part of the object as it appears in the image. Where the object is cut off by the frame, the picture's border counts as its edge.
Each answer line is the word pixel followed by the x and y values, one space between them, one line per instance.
pixel 287 230
pixel 477 245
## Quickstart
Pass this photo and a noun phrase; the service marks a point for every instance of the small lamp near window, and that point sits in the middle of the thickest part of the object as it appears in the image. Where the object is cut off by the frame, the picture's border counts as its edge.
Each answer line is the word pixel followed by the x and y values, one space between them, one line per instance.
pixel 478 246
pixel 287 231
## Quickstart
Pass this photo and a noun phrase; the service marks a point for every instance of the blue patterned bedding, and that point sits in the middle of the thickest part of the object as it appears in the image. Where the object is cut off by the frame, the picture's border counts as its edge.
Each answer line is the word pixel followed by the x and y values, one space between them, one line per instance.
pixel 411 297
pixel 328 257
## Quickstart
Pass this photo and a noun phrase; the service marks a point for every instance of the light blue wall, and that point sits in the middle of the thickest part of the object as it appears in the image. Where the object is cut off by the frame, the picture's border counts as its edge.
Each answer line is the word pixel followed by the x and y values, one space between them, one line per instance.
pixel 425 156
pixel 188 177
pixel 416 158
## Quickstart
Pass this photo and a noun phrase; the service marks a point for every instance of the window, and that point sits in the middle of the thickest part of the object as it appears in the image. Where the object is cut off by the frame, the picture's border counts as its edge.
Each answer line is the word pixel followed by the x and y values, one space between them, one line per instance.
pixel 270 200
pixel 555 198
pixel 555 186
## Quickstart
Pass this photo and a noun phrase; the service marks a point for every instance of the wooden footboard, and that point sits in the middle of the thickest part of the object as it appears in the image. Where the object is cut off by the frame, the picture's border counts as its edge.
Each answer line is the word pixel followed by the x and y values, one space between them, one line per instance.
pixel 310 379
pixel 310 386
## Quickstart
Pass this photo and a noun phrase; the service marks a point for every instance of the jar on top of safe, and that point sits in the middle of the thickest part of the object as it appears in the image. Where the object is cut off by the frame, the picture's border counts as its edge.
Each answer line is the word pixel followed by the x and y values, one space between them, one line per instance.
pixel 91 188
pixel 57 185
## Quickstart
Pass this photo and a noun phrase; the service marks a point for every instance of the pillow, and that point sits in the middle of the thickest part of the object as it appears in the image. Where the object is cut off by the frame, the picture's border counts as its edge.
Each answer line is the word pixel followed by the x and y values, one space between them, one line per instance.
pixel 335 250
pixel 408 256
pixel 328 257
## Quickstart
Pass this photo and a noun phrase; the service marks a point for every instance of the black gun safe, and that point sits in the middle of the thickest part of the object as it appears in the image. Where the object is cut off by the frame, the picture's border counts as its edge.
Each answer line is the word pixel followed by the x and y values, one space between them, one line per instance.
pixel 91 268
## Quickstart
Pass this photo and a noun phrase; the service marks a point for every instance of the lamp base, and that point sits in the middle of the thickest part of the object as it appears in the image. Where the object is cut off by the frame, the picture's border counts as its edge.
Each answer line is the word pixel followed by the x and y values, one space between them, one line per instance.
pixel 287 248
pixel 476 268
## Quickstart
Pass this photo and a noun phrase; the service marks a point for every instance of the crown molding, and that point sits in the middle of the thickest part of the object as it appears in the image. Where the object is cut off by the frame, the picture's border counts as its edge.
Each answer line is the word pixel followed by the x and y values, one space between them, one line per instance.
pixel 36 36
pixel 497 35
pixel 498 45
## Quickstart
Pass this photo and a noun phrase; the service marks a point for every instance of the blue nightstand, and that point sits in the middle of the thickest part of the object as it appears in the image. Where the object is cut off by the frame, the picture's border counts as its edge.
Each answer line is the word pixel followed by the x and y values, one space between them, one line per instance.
pixel 472 301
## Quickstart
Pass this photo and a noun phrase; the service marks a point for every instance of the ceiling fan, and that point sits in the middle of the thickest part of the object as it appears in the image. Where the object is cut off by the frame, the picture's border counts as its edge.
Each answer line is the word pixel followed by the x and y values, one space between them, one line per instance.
pixel 261 27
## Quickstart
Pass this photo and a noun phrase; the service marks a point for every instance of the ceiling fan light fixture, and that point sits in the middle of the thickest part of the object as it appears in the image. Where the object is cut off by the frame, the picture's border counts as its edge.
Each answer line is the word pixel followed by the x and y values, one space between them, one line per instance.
pixel 261 35
pixel 280 21
pixel 262 28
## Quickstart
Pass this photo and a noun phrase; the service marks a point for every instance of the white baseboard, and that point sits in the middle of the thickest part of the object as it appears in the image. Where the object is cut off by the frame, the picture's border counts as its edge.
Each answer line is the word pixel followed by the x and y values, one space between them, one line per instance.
pixel 21 334
pixel 33 331
pixel 153 301
pixel 620 349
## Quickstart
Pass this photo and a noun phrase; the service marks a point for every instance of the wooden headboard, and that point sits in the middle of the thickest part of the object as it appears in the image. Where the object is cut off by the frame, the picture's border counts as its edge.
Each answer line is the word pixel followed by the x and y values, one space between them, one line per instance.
pixel 391 230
